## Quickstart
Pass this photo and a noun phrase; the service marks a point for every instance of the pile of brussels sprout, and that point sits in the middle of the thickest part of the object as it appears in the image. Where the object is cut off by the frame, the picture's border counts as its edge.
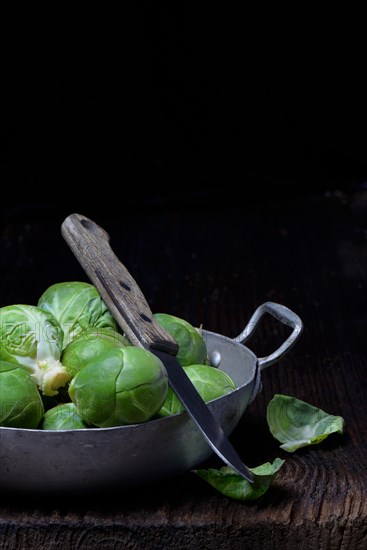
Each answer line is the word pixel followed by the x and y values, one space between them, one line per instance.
pixel 65 365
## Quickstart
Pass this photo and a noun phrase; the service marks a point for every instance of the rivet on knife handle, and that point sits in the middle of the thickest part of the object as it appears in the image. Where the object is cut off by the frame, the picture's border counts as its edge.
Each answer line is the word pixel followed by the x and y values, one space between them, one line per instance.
pixel 90 245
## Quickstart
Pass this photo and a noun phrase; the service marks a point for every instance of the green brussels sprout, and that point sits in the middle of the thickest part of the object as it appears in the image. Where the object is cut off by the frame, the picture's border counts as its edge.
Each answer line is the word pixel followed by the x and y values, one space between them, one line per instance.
pixel 20 402
pixel 90 344
pixel 121 386
pixel 63 417
pixel 192 348
pixel 76 306
pixel 32 339
pixel 210 383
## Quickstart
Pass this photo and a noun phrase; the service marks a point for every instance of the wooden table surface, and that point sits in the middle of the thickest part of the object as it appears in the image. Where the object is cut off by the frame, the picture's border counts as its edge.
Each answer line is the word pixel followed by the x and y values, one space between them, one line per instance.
pixel 213 263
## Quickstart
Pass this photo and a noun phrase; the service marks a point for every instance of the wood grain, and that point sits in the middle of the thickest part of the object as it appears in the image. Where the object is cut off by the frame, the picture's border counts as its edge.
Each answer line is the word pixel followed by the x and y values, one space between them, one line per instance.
pixel 308 253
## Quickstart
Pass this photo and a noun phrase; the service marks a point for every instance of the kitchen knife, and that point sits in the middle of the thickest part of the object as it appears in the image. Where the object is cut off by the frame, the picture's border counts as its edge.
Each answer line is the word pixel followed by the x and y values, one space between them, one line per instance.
pixel 90 244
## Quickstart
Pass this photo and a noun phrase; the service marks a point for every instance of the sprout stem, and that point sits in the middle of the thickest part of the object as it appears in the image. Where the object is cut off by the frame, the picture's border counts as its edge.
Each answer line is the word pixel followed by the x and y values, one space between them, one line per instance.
pixel 50 376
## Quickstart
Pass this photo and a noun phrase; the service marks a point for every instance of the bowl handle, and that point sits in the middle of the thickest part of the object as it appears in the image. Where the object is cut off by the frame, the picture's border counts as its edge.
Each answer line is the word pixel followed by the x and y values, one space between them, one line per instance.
pixel 282 314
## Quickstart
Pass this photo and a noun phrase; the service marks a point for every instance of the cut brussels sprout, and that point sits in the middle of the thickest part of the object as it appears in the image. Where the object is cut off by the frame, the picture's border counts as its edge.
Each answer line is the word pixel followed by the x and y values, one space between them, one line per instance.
pixel 32 339
pixel 76 306
pixel 121 386
pixel 297 424
pixel 210 383
pixel 20 401
pixel 192 348
pixel 90 344
pixel 230 484
pixel 63 417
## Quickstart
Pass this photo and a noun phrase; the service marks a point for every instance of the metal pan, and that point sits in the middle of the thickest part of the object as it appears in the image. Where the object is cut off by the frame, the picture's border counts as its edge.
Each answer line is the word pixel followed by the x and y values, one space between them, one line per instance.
pixel 128 456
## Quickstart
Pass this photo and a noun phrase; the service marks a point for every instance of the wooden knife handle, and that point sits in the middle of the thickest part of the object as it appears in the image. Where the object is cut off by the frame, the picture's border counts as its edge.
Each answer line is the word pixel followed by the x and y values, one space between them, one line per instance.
pixel 120 292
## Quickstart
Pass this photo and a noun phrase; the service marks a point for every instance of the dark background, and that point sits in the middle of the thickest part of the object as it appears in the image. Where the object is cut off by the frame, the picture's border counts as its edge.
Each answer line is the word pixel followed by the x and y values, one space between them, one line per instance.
pixel 175 129
pixel 178 130
pixel 182 101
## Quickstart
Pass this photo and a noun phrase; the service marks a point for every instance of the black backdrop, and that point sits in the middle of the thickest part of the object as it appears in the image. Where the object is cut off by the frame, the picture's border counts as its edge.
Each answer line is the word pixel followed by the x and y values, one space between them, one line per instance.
pixel 179 101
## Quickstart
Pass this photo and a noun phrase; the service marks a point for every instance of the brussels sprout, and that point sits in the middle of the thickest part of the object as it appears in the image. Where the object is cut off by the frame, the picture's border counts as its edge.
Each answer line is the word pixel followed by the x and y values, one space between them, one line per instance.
pixel 90 344
pixel 76 306
pixel 32 339
pixel 20 402
pixel 192 348
pixel 121 386
pixel 63 417
pixel 210 383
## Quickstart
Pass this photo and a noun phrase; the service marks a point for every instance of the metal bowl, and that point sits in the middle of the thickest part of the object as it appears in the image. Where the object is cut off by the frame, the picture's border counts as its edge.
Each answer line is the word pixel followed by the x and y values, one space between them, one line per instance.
pixel 128 456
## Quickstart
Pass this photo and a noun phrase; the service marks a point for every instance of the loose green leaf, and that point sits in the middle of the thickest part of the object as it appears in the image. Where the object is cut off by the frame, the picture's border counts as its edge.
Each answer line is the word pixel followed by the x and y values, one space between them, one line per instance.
pixel 232 485
pixel 297 424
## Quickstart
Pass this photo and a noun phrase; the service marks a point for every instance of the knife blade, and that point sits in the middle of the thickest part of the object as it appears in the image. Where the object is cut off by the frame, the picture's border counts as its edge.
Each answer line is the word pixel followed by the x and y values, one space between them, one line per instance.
pixel 90 245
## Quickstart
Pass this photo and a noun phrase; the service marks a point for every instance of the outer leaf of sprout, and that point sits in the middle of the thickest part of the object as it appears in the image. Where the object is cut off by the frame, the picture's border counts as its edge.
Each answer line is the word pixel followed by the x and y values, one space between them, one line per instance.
pixel 230 484
pixel 297 424
pixel 88 345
